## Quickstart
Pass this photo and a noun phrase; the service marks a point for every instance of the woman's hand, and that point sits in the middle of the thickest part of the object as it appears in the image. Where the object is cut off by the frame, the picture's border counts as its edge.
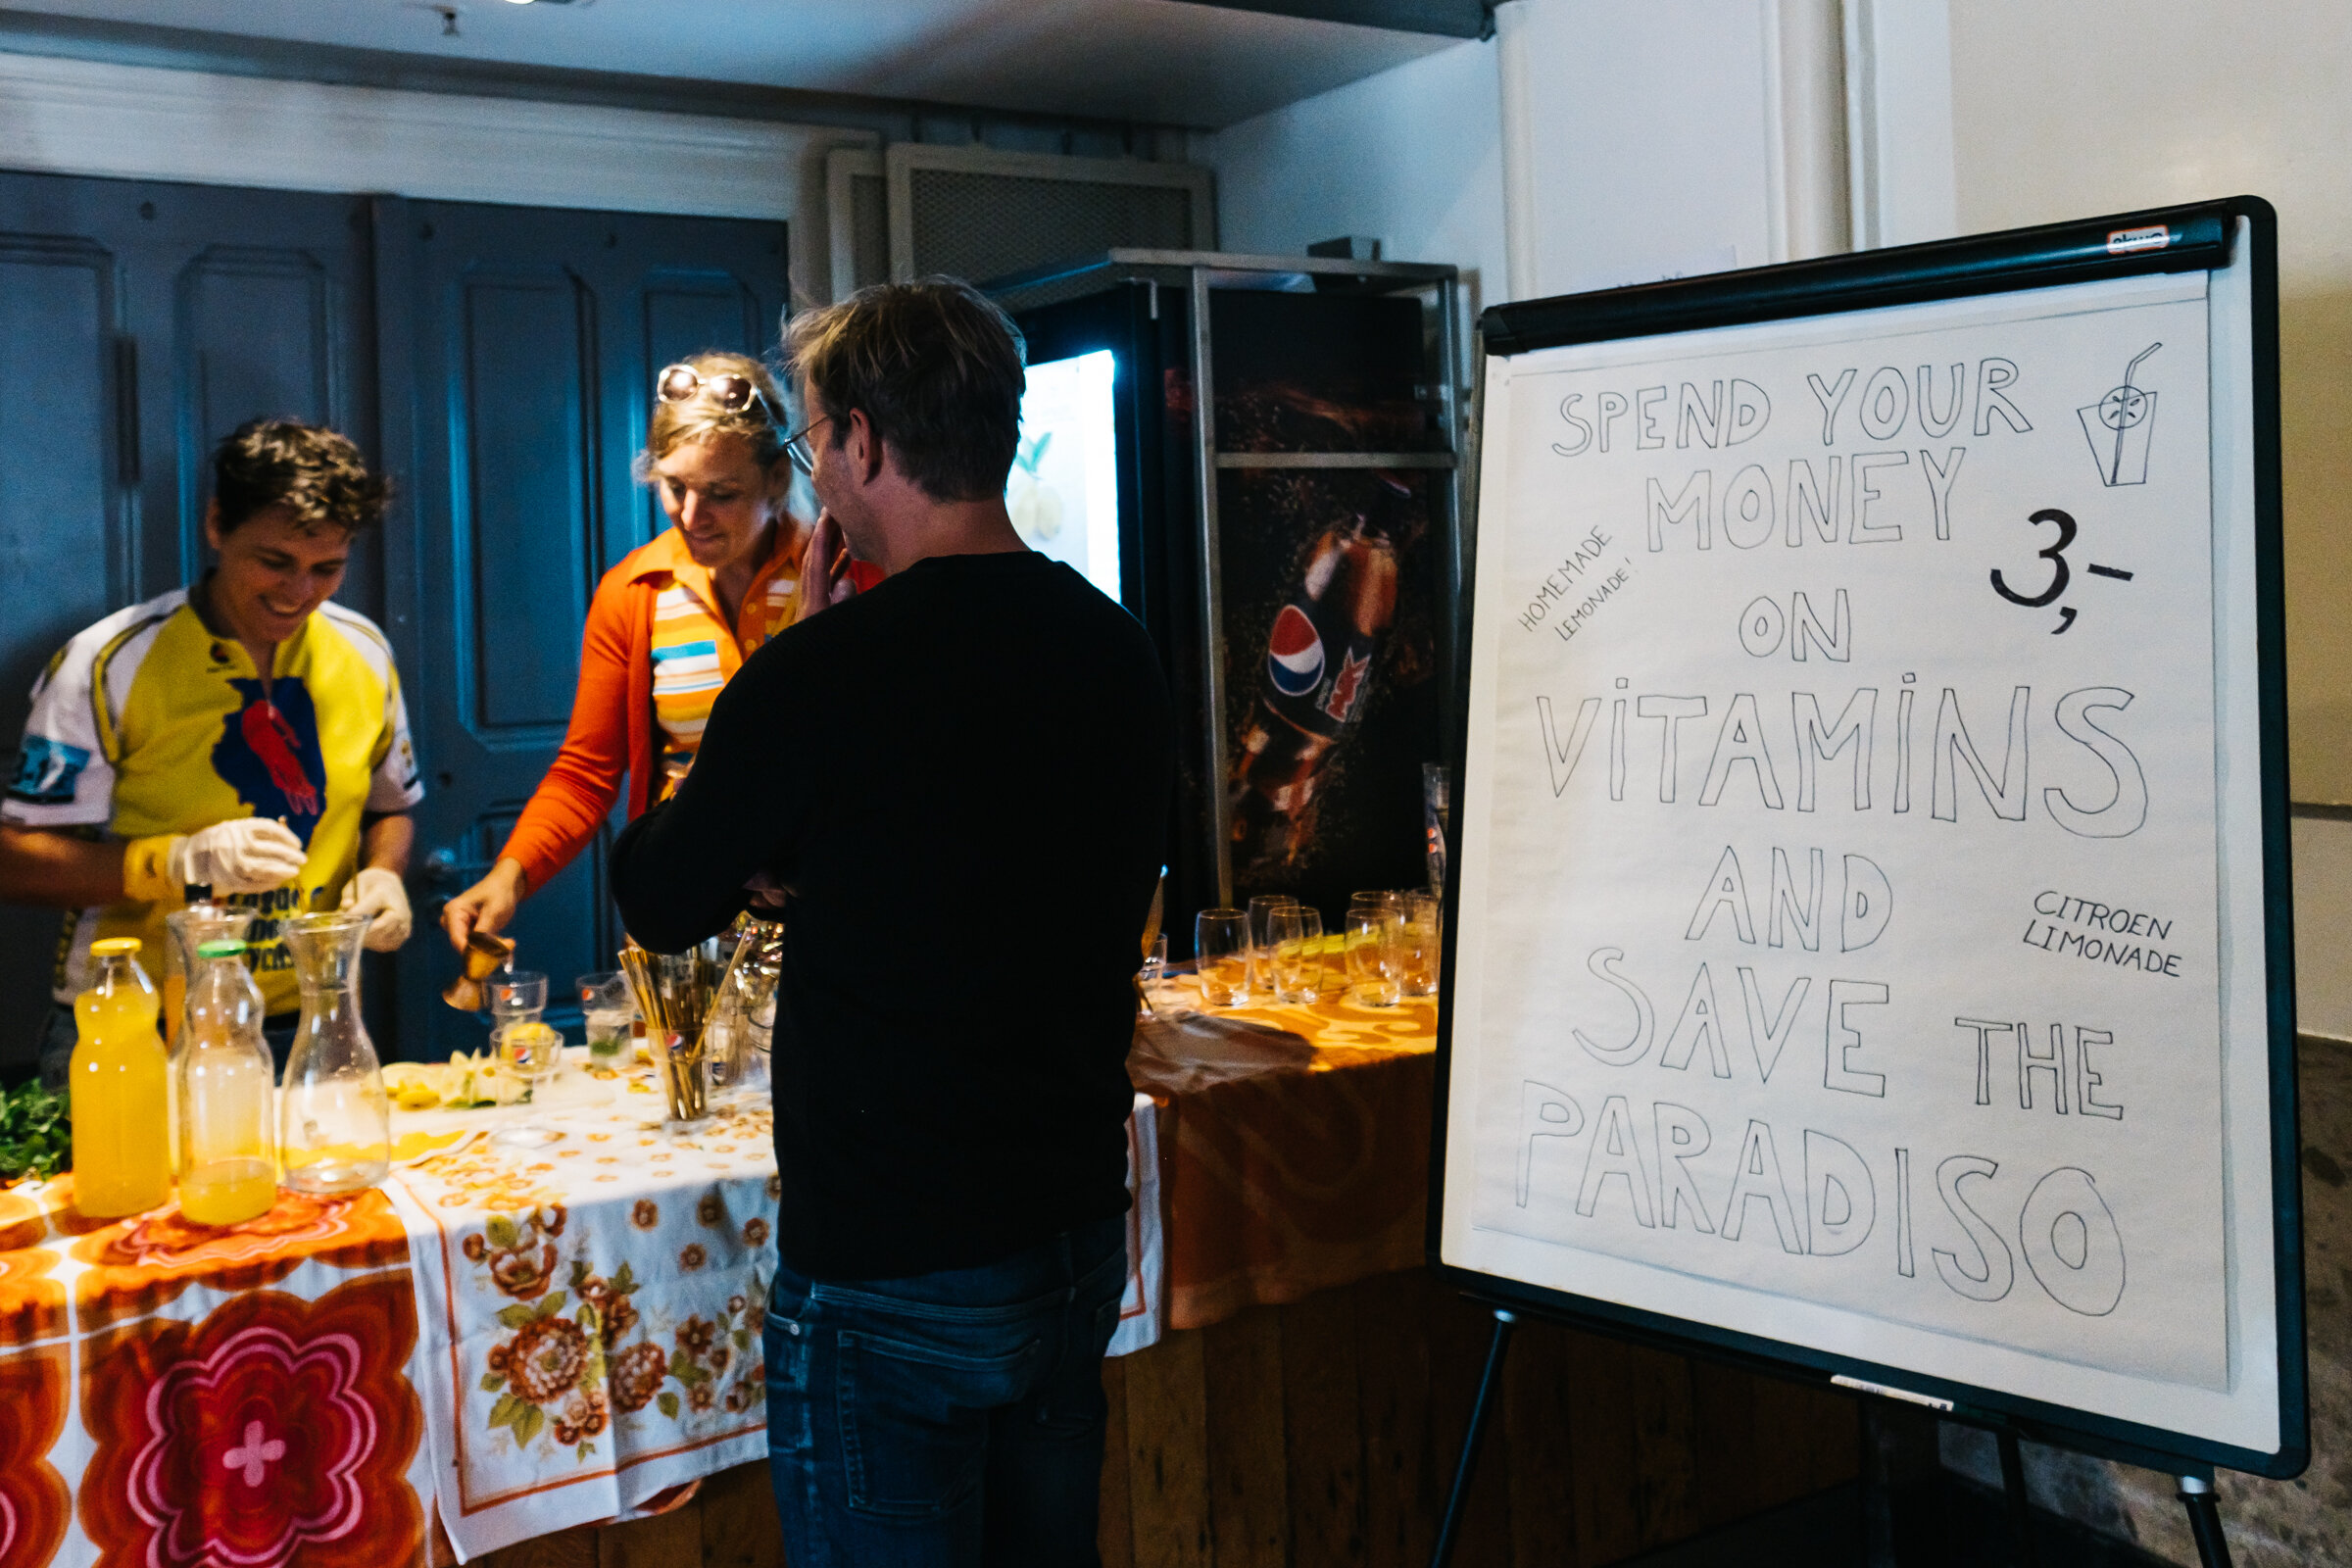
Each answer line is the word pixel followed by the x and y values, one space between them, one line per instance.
pixel 825 569
pixel 487 906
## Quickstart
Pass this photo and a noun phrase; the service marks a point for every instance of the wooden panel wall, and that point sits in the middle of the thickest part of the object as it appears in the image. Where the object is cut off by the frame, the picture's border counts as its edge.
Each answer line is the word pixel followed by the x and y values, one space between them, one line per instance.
pixel 1326 1433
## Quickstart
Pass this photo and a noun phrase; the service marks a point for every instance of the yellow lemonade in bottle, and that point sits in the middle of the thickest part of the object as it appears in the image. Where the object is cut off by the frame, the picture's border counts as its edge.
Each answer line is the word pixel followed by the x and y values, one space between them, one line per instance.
pixel 119 1088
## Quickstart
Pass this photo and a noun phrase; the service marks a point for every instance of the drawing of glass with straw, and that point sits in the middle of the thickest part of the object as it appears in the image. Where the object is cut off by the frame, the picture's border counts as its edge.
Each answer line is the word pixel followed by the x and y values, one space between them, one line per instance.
pixel 2118 426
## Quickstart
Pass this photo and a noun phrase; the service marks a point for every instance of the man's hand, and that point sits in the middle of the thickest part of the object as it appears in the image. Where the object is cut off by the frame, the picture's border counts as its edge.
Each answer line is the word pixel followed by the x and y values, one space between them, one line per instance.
pixel 825 569
pixel 487 906
pixel 379 893
pixel 245 855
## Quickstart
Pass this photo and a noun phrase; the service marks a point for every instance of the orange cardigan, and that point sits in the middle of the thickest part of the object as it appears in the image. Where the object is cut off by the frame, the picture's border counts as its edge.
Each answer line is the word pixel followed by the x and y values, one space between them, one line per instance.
pixel 612 730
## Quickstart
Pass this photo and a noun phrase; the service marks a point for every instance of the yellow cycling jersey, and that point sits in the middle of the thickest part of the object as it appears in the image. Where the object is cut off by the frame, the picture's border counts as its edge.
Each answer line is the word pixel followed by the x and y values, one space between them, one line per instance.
pixel 148 723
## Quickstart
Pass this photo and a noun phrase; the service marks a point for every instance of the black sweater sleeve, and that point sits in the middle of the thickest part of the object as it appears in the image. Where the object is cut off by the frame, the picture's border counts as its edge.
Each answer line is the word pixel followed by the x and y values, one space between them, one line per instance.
pixel 678 871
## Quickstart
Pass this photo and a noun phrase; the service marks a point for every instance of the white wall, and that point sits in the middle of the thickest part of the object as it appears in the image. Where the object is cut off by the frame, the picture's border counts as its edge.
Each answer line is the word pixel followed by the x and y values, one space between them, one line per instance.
pixel 2066 110
pixel 1412 158
pixel 1639 140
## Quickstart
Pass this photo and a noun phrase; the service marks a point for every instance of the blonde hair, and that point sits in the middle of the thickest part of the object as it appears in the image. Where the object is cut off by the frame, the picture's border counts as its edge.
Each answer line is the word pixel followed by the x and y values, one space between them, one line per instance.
pixel 757 422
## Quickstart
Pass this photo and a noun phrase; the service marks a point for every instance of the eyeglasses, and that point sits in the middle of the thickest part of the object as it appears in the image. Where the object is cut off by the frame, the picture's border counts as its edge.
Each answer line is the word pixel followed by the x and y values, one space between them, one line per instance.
pixel 678 383
pixel 797 446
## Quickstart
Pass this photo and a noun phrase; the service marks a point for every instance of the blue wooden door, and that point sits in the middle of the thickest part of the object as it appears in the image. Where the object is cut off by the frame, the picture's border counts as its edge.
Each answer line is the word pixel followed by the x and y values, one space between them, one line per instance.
pixel 524 343
pixel 139 322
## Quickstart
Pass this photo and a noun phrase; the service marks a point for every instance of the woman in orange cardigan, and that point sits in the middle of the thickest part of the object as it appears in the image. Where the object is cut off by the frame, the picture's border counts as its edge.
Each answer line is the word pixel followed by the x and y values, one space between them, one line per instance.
pixel 669 625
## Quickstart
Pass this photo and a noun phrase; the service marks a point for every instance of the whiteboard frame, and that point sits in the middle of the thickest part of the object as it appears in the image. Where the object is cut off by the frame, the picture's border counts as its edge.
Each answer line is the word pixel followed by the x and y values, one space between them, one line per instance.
pixel 2204 237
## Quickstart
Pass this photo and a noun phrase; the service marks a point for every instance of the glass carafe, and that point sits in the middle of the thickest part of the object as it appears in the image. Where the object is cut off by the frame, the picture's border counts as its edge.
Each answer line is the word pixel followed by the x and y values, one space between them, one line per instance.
pixel 121 1164
pixel 335 1128
pixel 204 919
pixel 228 1159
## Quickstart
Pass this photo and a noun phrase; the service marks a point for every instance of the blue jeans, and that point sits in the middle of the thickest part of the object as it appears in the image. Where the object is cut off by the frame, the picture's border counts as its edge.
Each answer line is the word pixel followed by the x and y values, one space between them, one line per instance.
pixel 945 1419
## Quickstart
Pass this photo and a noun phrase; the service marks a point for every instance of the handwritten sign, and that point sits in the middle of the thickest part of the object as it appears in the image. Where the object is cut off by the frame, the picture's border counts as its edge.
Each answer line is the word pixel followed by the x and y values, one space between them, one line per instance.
pixel 1841 953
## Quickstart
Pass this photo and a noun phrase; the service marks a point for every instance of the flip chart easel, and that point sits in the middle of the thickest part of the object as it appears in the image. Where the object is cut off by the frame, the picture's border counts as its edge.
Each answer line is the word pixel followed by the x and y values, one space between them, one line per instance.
pixel 1871 956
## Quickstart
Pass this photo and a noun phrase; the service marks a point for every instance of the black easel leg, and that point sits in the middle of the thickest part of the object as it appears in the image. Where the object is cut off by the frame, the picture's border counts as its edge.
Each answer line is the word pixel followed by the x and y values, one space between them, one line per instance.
pixel 1488 1386
pixel 2021 1511
pixel 2205 1521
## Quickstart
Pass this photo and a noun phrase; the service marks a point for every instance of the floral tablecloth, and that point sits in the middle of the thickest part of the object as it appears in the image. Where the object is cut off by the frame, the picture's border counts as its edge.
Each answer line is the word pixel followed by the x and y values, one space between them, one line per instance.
pixel 516 1339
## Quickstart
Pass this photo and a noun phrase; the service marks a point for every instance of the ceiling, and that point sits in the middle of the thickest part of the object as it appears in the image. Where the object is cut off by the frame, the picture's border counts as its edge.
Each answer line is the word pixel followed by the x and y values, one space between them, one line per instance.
pixel 1167 62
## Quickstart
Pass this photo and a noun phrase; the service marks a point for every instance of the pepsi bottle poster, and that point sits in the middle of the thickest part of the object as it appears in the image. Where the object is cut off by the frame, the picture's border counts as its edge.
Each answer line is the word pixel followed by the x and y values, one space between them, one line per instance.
pixel 1331 657
pixel 1860 928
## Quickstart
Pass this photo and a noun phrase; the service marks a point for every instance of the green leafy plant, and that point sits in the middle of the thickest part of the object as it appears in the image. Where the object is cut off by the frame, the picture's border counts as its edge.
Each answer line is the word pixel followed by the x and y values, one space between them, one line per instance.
pixel 36 1132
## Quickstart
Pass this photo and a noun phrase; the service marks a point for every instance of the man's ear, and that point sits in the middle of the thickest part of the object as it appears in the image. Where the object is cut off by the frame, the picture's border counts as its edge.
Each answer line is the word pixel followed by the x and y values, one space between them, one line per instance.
pixel 211 526
pixel 864 447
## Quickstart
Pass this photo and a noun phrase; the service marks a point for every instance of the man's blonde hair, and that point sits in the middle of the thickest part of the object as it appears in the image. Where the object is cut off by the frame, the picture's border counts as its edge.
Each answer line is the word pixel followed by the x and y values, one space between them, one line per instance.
pixel 935 366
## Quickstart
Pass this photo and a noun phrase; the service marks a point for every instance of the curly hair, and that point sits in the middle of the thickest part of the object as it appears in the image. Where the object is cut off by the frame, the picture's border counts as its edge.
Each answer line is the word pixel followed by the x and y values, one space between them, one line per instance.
pixel 317 474
pixel 934 366
pixel 700 417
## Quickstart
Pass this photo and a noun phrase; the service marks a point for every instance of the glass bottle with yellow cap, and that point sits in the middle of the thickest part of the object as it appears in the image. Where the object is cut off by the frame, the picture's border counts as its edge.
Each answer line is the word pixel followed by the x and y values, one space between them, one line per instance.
pixel 122 1147
pixel 227 1147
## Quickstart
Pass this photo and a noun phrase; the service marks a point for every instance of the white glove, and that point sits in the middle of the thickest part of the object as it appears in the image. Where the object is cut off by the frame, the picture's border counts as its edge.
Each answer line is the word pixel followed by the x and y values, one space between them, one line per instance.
pixel 378 893
pixel 246 855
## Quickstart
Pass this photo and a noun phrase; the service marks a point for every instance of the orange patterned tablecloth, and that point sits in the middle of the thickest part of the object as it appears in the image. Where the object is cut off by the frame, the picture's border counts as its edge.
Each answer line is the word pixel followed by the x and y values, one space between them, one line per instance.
pixel 1294 1145
pixel 177 1394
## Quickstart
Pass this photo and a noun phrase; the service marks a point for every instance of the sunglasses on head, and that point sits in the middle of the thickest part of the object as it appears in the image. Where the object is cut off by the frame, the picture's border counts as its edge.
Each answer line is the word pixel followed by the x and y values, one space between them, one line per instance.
pixel 678 383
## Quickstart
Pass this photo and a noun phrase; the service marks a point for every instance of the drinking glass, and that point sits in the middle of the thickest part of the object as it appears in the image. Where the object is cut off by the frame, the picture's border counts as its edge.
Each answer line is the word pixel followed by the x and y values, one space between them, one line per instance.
pixel 526 1047
pixel 1154 973
pixel 518 996
pixel 1221 945
pixel 1423 947
pixel 1296 944
pixel 1375 939
pixel 1261 960
pixel 605 1008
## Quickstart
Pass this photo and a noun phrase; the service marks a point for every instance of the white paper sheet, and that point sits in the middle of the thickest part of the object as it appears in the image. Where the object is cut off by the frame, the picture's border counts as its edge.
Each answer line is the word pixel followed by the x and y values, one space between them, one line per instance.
pixel 1840 942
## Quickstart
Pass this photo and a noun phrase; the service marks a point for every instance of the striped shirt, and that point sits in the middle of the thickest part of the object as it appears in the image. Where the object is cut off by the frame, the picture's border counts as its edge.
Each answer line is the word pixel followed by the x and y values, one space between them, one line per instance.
pixel 695 653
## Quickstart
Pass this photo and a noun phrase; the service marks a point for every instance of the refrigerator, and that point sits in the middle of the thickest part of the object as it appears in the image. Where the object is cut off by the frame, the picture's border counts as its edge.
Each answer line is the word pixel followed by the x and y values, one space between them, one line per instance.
pixel 1293 542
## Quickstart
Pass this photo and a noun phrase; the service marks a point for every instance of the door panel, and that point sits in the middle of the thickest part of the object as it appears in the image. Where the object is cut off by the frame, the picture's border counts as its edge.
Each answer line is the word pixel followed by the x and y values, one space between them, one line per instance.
pixel 533 337
pixel 139 321
pixel 57 342
pixel 528 495
pixel 255 337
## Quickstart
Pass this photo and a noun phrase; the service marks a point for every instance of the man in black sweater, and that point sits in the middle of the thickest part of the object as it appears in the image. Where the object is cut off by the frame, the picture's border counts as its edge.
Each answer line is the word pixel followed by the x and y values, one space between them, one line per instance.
pixel 960 782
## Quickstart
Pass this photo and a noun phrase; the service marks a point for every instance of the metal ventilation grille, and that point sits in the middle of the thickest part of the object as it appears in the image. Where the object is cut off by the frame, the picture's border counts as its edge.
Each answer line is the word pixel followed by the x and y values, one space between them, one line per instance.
pixel 869 230
pixel 982 225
